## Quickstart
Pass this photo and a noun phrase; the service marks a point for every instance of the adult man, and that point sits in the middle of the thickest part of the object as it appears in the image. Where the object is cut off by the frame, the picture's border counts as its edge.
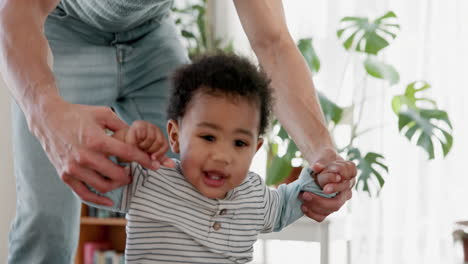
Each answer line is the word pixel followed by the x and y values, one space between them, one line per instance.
pixel 119 54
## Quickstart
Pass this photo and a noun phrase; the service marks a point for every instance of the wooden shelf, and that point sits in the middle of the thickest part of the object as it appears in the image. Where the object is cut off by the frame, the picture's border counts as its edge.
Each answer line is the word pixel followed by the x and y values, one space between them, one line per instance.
pixel 111 230
pixel 85 220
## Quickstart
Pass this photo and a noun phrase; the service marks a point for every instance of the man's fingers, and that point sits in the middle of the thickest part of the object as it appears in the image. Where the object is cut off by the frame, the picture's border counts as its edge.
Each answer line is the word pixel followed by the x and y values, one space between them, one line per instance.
pixel 317 204
pixel 343 196
pixel 338 187
pixel 85 194
pixel 348 194
pixel 327 177
pixel 99 163
pixel 311 214
pixel 318 167
pixel 123 151
pixel 109 119
pixel 347 169
pixel 321 205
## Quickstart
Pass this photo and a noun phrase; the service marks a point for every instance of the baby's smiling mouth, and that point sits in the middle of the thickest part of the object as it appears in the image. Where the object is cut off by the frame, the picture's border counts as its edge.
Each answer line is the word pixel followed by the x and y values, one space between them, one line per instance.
pixel 214 178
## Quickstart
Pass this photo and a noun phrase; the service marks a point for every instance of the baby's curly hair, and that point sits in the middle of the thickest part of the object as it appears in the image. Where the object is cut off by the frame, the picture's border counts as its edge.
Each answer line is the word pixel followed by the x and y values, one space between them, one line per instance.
pixel 221 75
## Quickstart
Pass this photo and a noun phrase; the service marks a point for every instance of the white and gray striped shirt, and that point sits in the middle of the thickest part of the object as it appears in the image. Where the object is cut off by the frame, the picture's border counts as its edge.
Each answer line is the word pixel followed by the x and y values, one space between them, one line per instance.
pixel 169 221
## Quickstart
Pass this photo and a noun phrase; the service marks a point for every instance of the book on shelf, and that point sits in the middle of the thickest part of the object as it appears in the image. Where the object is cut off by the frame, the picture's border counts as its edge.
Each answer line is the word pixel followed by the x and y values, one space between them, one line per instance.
pixel 102 213
pixel 101 252
pixel 108 257
pixel 91 247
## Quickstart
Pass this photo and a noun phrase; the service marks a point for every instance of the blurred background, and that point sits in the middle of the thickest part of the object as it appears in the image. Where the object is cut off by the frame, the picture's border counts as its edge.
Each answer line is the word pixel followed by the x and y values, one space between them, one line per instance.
pixel 410 195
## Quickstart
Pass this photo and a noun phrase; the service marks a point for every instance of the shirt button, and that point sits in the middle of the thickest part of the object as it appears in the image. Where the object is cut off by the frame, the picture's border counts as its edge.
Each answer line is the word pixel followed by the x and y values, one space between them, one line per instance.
pixel 217 226
pixel 223 212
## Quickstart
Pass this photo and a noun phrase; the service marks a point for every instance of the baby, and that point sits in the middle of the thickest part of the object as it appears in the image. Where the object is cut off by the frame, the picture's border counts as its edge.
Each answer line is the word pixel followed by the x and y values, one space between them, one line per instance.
pixel 206 207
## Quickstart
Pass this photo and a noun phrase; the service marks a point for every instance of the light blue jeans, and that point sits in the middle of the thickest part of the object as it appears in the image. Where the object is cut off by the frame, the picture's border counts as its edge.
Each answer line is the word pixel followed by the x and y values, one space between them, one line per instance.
pixel 127 71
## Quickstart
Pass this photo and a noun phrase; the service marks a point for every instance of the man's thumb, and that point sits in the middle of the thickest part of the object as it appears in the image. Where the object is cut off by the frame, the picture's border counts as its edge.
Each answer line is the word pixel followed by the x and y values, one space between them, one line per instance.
pixel 318 167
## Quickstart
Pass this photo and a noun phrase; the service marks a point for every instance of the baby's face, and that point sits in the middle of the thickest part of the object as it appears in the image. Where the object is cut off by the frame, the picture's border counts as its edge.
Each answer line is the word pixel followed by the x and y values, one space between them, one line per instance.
pixel 217 139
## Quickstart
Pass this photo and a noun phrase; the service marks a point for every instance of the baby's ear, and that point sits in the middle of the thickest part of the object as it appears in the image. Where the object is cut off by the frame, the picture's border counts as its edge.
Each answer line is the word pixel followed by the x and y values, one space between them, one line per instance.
pixel 259 143
pixel 173 134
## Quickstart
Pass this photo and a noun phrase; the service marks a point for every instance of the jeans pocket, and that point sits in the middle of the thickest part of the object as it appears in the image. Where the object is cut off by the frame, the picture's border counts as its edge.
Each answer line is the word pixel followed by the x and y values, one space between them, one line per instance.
pixel 59 13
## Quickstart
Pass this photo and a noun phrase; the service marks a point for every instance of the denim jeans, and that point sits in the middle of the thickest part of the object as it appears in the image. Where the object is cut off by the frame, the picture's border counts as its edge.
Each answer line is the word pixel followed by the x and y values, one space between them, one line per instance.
pixel 127 71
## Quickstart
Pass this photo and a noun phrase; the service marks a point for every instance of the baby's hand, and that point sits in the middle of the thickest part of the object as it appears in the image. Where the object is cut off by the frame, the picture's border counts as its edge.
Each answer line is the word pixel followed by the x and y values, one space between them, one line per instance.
pixel 330 177
pixel 149 138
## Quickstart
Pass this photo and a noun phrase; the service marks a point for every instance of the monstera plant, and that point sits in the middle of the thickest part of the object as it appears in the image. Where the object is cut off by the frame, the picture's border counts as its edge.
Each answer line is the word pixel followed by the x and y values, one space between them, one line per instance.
pixel 419 118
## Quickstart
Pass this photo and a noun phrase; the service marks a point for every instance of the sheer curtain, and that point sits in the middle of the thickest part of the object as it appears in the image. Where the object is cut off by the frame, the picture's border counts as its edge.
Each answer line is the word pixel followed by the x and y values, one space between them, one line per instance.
pixel 412 219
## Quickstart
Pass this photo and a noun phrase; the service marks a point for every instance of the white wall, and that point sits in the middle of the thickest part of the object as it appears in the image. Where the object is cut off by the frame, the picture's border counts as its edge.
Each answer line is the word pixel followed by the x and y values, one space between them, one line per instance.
pixel 7 180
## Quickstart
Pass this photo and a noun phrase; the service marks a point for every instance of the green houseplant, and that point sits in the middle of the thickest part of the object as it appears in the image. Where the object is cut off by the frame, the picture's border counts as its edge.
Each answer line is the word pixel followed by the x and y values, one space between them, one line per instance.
pixel 419 118
pixel 194 22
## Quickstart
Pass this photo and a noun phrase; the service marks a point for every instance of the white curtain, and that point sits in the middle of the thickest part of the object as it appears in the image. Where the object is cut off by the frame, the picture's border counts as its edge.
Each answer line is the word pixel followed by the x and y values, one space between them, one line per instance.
pixel 412 219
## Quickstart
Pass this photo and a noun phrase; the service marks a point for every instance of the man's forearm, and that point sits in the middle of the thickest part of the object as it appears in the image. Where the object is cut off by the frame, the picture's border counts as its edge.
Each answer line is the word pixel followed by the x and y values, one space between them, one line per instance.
pixel 25 58
pixel 297 106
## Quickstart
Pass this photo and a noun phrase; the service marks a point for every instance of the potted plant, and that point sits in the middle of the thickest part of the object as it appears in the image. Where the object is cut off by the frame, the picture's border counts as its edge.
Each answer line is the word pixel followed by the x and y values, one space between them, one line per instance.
pixel 418 118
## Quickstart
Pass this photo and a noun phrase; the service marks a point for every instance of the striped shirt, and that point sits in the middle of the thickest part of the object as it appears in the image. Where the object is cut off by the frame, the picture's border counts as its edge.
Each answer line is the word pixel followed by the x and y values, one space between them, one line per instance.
pixel 169 221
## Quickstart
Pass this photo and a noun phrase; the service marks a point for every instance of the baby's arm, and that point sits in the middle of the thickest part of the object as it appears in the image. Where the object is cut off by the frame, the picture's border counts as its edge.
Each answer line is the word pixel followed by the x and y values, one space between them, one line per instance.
pixel 283 206
pixel 285 200
pixel 147 137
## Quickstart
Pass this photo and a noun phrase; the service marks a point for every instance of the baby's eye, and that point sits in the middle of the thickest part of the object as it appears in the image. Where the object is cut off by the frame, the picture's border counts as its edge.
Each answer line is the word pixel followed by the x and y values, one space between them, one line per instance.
pixel 240 143
pixel 208 138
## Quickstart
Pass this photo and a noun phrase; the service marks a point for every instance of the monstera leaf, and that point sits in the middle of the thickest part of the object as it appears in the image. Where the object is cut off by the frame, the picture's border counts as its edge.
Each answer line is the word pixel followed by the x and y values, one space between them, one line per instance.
pixel 425 125
pixel 307 50
pixel 425 121
pixel 331 111
pixel 409 99
pixel 365 36
pixel 381 70
pixel 368 167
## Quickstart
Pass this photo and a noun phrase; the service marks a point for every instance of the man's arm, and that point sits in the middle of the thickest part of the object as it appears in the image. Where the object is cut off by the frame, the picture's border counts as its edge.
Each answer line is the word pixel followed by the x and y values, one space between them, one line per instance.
pixel 296 106
pixel 72 135
pixel 25 54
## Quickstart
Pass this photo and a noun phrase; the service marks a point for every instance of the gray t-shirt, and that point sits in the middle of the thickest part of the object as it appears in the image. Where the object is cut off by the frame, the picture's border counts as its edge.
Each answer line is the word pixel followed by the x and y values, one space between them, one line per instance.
pixel 116 15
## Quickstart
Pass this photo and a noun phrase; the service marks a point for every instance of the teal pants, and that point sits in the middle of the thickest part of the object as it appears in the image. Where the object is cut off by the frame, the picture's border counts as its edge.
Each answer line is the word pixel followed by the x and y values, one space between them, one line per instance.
pixel 127 71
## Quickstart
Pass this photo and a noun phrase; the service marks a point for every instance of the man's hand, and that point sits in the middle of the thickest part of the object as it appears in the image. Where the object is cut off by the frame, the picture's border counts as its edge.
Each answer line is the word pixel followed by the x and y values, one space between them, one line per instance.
pixel 334 175
pixel 149 138
pixel 319 208
pixel 74 139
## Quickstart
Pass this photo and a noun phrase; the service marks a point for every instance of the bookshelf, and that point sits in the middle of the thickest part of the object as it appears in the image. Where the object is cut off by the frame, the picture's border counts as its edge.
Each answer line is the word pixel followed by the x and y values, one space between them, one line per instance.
pixel 100 229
